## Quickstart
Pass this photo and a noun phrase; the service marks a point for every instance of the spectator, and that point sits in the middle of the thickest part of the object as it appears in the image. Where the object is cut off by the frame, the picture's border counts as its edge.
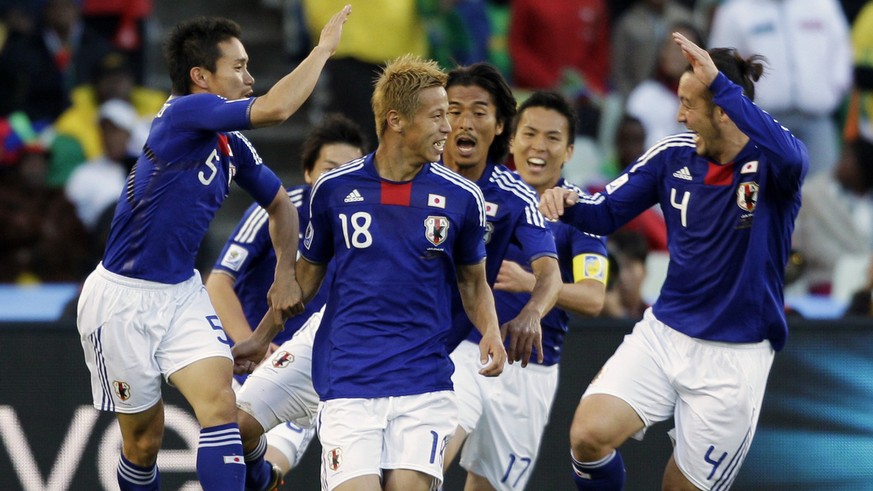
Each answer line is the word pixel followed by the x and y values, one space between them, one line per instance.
pixel 637 39
pixel 654 100
pixel 808 53
pixel 382 30
pixel 836 218
pixel 38 70
pixel 862 43
pixel 560 42
pixel 624 300
pixel 861 303
pixel 124 23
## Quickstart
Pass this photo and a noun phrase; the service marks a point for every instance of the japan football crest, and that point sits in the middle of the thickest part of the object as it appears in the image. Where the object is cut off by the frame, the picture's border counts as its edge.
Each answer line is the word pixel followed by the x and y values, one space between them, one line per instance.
pixel 436 229
pixel 747 196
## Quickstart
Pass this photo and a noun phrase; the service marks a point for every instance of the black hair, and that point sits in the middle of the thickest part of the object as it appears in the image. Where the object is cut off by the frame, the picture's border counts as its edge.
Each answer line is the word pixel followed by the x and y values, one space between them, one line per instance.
pixel 334 128
pixel 489 78
pixel 741 71
pixel 195 43
pixel 554 101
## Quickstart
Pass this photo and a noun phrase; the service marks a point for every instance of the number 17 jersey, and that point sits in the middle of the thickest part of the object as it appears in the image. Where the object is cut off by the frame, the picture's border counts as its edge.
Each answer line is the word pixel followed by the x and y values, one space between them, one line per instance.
pixel 395 246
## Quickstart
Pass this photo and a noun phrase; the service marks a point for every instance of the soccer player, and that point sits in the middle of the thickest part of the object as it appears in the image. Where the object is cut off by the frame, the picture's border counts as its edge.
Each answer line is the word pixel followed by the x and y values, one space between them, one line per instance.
pixel 144 312
pixel 730 191
pixel 481 108
pixel 238 288
pixel 499 453
pixel 401 229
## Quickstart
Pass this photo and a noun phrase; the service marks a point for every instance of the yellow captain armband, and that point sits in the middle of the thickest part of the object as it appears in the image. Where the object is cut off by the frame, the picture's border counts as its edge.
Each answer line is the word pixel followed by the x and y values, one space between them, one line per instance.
pixel 590 267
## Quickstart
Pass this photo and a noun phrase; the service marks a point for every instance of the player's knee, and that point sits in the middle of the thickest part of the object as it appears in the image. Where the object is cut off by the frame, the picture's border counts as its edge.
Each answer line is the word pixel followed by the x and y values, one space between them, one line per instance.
pixel 588 441
pixel 143 449
pixel 250 430
pixel 217 409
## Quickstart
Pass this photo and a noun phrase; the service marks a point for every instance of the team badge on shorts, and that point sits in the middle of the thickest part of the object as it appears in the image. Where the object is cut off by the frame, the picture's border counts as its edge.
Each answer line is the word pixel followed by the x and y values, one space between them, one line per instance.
pixel 436 229
pixel 122 389
pixel 747 196
pixel 335 459
pixel 283 359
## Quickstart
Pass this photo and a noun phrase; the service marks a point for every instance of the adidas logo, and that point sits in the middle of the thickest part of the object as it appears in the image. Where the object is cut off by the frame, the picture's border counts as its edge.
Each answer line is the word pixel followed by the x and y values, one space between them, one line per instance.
pixel 683 173
pixel 355 196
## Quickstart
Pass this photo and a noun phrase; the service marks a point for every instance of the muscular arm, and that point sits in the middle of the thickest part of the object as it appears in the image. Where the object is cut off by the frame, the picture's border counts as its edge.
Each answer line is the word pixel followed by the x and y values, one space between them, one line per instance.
pixel 291 91
pixel 525 331
pixel 479 304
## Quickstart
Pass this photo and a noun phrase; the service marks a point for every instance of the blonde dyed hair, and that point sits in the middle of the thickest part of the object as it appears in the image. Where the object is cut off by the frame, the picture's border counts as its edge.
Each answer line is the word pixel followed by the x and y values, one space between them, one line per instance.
pixel 399 85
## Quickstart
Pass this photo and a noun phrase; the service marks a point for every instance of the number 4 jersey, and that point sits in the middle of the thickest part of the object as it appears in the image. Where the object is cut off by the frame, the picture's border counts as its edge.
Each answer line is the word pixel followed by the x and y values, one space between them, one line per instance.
pixel 395 247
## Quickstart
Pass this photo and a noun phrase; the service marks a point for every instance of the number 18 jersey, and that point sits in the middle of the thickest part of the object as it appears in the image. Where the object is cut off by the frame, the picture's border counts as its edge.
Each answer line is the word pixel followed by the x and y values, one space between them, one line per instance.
pixel 395 247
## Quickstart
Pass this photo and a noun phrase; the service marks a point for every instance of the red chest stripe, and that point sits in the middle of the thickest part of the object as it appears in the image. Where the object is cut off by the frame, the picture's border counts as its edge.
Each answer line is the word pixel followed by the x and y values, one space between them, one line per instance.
pixel 719 175
pixel 222 144
pixel 396 194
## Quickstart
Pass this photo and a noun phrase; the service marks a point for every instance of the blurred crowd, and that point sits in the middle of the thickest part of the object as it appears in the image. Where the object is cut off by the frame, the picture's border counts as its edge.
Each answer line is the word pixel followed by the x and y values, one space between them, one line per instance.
pixel 75 108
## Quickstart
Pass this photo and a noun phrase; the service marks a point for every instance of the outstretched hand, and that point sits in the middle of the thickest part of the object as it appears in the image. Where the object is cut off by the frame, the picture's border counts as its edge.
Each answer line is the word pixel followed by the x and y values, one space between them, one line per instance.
pixel 553 202
pixel 333 30
pixel 701 63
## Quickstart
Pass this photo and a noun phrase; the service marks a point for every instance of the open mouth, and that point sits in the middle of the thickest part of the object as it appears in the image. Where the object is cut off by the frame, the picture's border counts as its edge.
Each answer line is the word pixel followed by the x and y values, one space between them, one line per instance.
pixel 465 145
pixel 440 146
pixel 536 163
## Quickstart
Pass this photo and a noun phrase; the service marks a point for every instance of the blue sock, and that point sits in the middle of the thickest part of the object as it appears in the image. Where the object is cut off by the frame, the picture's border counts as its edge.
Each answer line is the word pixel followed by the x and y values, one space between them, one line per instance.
pixel 258 470
pixel 220 464
pixel 132 477
pixel 607 474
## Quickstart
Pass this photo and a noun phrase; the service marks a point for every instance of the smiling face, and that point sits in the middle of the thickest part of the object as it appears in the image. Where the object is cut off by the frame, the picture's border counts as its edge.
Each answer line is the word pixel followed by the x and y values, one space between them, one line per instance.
pixel 540 146
pixel 698 114
pixel 473 117
pixel 231 78
pixel 424 135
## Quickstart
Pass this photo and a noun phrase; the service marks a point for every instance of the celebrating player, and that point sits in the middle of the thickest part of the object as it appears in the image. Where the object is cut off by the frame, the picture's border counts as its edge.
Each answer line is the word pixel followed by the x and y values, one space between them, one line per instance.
pixel 401 229
pixel 143 312
pixel 730 191
pixel 481 107
pixel 238 288
pixel 499 453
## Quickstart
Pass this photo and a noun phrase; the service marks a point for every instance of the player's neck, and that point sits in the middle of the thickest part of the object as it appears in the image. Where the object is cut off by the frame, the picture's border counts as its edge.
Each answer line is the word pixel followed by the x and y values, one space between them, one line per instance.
pixel 394 165
pixel 731 146
pixel 471 172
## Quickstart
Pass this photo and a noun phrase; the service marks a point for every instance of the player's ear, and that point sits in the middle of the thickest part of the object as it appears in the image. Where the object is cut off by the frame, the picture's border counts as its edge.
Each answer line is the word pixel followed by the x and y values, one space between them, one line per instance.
pixel 200 77
pixel 395 121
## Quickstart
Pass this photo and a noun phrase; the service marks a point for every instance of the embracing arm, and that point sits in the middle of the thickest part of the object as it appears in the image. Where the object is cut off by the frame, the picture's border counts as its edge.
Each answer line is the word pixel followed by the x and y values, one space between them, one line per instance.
pixel 585 297
pixel 479 304
pixel 291 91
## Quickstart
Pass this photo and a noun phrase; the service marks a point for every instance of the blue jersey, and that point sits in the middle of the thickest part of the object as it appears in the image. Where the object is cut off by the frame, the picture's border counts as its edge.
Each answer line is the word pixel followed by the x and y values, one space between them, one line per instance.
pixel 580 256
pixel 395 248
pixel 248 256
pixel 728 226
pixel 513 218
pixel 179 182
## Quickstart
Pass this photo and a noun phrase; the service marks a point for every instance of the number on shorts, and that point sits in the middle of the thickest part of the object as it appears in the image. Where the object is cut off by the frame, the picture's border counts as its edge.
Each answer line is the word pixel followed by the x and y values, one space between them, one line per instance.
pixel 216 324
pixel 512 459
pixel 713 463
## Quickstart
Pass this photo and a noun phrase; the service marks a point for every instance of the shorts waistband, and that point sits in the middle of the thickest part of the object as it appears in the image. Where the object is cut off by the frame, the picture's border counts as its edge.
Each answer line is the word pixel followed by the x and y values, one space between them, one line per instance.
pixel 129 282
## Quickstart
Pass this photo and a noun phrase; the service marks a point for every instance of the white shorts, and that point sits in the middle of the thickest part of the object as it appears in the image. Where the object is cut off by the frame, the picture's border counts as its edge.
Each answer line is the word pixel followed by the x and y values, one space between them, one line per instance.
pixel 504 416
pixel 288 438
pixel 713 391
pixel 363 436
pixel 133 331
pixel 280 389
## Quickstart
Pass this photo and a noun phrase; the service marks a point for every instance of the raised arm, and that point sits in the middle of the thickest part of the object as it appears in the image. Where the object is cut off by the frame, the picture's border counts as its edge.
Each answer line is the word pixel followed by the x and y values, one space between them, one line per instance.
pixel 292 90
pixel 479 304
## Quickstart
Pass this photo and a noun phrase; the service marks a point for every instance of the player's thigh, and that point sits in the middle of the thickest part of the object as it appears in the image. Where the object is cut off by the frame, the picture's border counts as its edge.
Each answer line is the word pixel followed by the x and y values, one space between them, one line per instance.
pixel 280 389
pixel 407 480
pixel 504 446
pixel 468 384
pixel 351 432
pixel 634 374
pixel 419 426
pixel 718 410
pixel 121 326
